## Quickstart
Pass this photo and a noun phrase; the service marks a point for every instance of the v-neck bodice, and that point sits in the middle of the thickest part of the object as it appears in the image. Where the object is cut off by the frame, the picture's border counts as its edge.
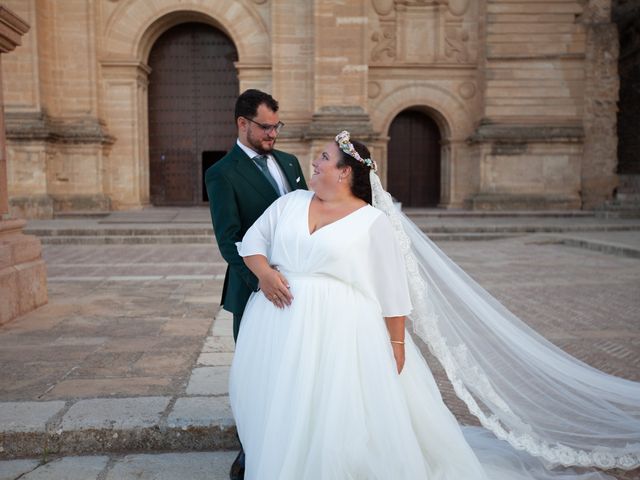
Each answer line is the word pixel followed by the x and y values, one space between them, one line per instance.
pixel 363 238
pixel 344 217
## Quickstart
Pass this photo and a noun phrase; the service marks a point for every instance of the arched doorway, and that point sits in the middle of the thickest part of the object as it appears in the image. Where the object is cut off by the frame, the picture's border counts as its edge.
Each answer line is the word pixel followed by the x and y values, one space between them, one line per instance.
pixel 413 173
pixel 193 85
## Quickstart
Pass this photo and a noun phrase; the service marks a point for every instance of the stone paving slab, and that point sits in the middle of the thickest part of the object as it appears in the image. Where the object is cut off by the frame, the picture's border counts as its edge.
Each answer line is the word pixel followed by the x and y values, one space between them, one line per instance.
pixel 69 468
pixel 115 413
pixel 28 416
pixel 201 412
pixel 13 469
pixel 209 381
pixel 163 466
pixel 171 466
pixel 213 359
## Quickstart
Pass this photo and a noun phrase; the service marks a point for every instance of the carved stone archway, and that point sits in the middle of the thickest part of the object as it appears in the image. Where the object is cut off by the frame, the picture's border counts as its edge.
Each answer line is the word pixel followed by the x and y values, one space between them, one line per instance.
pixel 454 121
pixel 130 33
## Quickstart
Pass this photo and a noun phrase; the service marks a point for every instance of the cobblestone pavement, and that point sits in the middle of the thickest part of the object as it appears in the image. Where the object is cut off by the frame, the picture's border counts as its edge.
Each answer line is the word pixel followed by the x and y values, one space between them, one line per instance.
pixel 131 320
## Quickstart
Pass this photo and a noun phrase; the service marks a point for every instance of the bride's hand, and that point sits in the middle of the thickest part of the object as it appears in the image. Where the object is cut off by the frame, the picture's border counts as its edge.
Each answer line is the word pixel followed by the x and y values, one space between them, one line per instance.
pixel 275 287
pixel 398 354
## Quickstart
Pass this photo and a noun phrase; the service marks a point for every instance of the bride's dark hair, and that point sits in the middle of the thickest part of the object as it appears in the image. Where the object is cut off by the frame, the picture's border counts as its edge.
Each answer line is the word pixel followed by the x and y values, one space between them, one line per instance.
pixel 360 183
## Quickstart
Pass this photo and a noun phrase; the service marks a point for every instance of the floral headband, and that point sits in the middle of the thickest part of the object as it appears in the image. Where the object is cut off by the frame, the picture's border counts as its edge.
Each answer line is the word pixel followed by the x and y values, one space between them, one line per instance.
pixel 344 142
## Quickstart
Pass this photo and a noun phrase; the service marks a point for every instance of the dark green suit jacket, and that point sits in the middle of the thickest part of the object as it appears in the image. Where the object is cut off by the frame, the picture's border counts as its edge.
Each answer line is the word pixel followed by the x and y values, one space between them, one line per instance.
pixel 238 194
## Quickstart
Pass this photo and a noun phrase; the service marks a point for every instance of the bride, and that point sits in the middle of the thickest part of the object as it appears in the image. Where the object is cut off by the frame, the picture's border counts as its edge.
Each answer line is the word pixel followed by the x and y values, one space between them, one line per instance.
pixel 327 384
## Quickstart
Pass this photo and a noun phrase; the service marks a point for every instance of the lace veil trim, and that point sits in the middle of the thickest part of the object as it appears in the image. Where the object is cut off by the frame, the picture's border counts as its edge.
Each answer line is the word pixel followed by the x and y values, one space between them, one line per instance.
pixel 460 351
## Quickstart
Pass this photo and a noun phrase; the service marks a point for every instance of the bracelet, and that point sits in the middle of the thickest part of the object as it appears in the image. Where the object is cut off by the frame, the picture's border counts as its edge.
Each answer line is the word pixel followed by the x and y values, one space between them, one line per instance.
pixel 398 342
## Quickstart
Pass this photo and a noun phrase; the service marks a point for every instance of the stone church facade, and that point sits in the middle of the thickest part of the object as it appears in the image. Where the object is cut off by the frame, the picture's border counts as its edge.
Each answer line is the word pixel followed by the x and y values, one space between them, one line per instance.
pixel 482 104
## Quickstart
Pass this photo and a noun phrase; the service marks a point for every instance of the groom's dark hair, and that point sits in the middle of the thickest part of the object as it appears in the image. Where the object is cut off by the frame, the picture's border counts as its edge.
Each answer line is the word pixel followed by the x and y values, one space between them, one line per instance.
pixel 248 102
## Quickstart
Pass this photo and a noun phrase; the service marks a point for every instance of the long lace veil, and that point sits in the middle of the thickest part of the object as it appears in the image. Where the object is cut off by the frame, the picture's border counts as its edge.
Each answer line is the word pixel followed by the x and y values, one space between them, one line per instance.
pixel 521 387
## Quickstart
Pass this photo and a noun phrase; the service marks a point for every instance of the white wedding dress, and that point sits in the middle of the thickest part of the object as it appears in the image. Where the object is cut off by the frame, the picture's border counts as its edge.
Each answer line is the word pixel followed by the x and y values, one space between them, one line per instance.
pixel 314 387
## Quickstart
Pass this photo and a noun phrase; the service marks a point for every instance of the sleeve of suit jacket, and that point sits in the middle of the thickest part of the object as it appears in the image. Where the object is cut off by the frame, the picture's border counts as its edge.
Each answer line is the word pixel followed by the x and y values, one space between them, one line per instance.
pixel 226 225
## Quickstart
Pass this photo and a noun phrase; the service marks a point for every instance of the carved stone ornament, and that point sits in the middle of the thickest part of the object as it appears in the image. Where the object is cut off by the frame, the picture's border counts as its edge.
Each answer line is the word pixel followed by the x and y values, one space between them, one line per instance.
pixel 385 40
pixel 456 44
pixel 374 89
pixel 467 90
pixel 382 7
pixel 458 7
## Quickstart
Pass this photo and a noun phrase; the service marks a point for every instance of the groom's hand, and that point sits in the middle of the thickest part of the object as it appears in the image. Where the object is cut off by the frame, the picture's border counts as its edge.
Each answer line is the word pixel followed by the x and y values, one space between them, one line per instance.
pixel 275 287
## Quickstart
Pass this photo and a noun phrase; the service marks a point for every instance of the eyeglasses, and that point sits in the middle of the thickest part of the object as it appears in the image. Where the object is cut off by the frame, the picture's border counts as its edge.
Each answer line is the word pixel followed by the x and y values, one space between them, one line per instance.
pixel 266 127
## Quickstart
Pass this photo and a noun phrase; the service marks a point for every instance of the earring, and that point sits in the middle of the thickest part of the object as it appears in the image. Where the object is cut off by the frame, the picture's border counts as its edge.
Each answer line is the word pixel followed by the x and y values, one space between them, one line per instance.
pixel 340 179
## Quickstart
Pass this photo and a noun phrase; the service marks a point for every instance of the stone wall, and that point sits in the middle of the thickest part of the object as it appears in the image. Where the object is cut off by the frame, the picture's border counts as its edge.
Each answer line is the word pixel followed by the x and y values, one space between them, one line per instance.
pixel 517 88
pixel 599 178
pixel 23 274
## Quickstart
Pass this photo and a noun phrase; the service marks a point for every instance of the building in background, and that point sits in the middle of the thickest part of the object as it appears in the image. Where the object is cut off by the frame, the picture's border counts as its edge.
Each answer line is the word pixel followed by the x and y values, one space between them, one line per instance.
pixel 482 104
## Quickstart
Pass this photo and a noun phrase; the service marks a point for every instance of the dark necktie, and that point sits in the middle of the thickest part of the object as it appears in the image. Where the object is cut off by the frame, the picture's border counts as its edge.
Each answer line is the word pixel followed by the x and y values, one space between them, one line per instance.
pixel 261 161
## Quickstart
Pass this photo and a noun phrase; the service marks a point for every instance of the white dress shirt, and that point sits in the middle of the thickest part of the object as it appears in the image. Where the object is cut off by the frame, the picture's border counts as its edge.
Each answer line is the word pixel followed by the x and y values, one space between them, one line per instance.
pixel 274 168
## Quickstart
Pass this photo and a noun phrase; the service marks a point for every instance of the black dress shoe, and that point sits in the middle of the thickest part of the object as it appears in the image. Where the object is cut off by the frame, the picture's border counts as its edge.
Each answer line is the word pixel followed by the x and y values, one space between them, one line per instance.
pixel 237 468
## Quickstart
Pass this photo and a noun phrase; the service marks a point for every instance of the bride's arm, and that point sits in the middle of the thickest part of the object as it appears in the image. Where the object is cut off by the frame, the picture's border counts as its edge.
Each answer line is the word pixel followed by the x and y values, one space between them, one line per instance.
pixel 273 284
pixel 395 325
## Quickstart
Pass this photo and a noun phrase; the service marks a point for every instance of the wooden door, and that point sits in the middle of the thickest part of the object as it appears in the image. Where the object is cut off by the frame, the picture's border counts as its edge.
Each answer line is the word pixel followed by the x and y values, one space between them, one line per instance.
pixel 413 173
pixel 193 86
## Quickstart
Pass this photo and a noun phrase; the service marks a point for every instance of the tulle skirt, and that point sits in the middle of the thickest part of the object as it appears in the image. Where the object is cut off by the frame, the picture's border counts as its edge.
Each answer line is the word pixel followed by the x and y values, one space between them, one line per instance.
pixel 316 395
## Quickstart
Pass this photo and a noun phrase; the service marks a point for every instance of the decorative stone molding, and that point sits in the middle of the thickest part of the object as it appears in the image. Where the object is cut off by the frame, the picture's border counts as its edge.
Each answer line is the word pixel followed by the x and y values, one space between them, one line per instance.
pixel 516 134
pixel 352 118
pixel 134 26
pixel 12 28
pixel 444 28
pixel 421 3
pixel 29 126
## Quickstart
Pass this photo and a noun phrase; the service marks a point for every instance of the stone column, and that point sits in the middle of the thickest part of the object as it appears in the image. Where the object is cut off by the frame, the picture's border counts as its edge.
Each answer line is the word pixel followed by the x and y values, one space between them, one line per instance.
pixel 599 163
pixel 23 276
pixel 125 84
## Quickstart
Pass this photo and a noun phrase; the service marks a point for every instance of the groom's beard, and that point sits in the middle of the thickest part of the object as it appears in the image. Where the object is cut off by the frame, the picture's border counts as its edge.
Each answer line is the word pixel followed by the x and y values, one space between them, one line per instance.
pixel 261 145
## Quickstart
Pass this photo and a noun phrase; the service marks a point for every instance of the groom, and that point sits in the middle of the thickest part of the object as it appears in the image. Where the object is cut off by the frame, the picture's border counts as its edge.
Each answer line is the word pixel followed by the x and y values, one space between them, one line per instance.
pixel 241 185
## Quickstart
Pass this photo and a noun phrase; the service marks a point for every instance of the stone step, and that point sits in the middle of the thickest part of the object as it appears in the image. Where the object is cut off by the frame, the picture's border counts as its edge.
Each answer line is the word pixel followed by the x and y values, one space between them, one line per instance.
pixel 172 235
pixel 126 239
pixel 131 232
pixel 441 213
pixel 82 214
pixel 140 424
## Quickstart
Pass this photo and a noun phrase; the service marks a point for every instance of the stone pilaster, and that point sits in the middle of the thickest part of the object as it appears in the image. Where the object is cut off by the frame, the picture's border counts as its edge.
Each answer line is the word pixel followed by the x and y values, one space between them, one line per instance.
pixel 23 278
pixel 599 163
pixel 341 71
